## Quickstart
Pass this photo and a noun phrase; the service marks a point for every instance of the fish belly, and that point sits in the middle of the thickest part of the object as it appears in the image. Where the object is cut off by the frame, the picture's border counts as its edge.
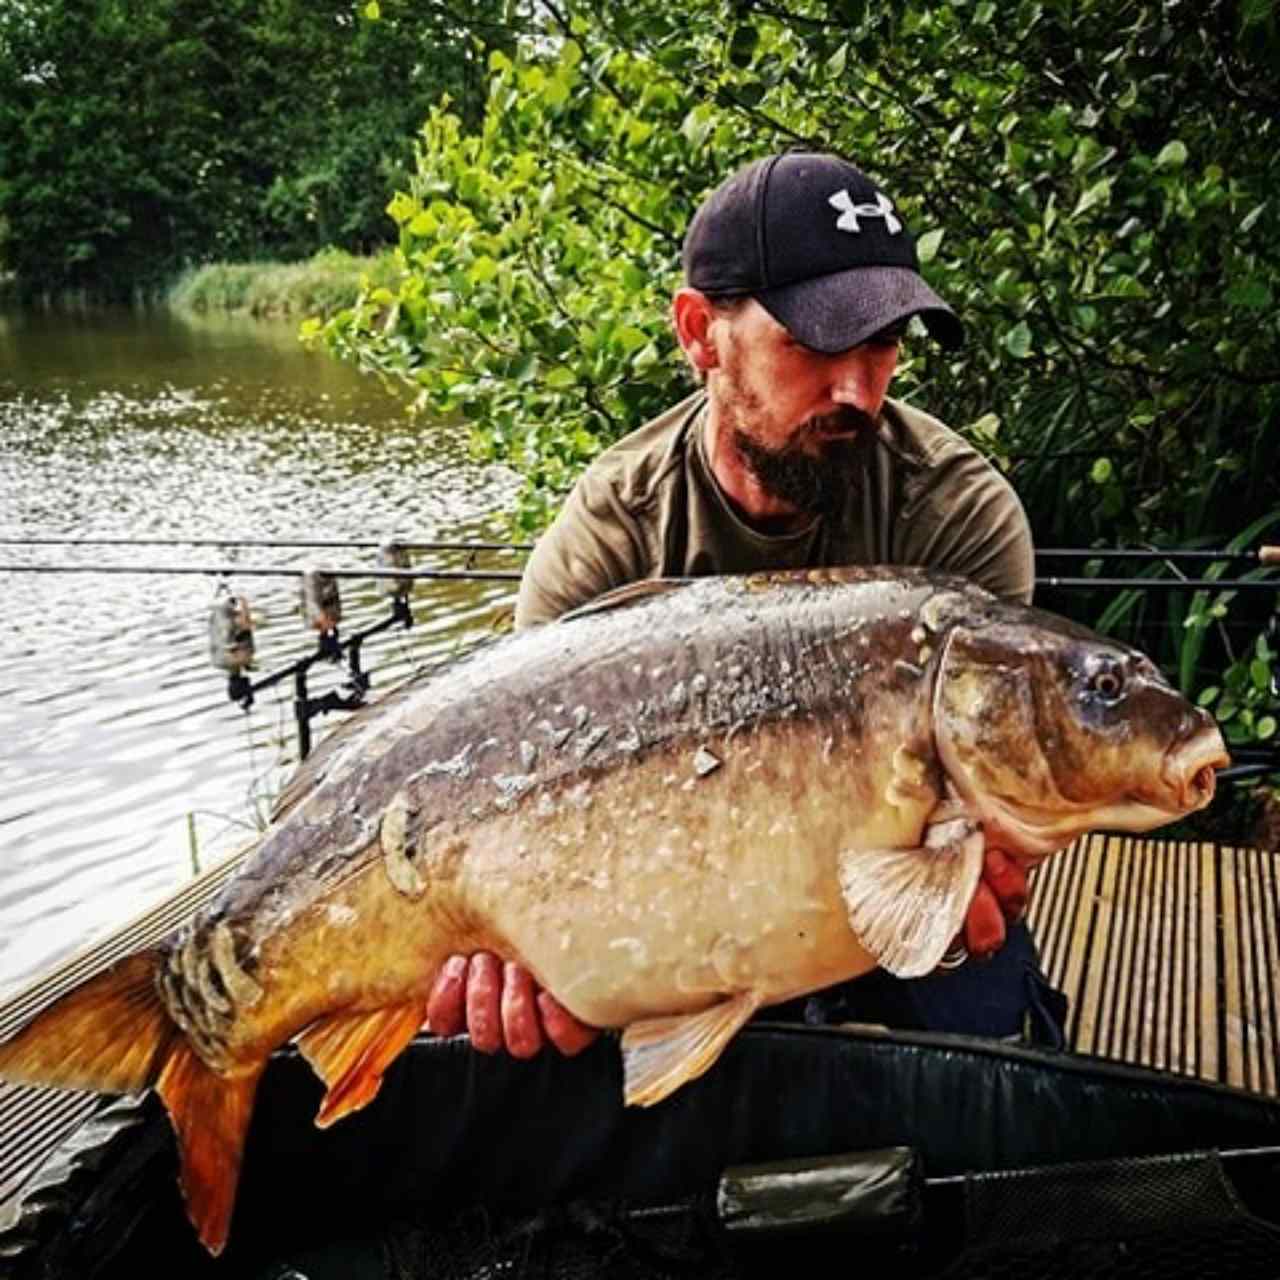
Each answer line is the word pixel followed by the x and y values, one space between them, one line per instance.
pixel 661 890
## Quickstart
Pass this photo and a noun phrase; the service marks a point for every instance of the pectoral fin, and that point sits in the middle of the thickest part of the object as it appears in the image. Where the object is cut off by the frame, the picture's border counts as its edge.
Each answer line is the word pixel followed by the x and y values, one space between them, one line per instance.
pixel 350 1052
pixel 906 905
pixel 661 1054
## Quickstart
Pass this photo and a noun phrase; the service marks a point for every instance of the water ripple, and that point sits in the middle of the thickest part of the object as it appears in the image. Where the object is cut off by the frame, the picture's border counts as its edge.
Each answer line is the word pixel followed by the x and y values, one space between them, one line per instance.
pixel 118 740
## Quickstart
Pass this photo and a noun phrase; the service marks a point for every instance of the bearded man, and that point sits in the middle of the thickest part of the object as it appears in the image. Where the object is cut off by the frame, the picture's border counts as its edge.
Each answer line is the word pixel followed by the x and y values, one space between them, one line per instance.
pixel 800 282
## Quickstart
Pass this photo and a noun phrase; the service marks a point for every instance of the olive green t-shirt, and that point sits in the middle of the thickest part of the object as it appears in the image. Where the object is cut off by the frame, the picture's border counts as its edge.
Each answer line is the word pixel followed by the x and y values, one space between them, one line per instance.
pixel 650 507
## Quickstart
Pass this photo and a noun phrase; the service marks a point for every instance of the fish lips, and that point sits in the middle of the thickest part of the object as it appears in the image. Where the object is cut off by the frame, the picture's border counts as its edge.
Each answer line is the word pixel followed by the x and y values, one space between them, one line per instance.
pixel 1190 769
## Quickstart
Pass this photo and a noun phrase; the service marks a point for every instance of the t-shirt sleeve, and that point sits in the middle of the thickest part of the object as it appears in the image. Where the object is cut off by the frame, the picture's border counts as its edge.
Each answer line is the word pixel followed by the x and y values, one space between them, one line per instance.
pixel 592 546
pixel 969 520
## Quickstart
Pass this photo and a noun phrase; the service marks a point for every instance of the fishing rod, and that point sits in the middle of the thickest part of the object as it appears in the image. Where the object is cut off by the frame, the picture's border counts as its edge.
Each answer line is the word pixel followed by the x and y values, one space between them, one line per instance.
pixel 410 544
pixel 1263 555
pixel 1266 555
pixel 268 571
pixel 1161 584
pixel 227 570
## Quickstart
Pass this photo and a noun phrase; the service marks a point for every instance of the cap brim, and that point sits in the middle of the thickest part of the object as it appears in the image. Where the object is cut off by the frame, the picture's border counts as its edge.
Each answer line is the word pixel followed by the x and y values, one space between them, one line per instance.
pixel 835 312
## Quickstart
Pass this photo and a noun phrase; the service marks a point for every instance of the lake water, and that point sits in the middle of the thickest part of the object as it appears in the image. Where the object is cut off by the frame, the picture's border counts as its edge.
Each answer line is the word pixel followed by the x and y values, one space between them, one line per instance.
pixel 120 752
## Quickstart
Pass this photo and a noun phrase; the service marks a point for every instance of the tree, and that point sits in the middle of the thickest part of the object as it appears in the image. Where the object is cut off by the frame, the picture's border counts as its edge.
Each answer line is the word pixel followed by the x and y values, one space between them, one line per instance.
pixel 140 139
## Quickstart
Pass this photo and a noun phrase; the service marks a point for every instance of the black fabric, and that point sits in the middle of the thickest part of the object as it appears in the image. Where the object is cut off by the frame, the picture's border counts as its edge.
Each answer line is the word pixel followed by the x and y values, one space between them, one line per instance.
pixel 1005 996
pixel 453 1129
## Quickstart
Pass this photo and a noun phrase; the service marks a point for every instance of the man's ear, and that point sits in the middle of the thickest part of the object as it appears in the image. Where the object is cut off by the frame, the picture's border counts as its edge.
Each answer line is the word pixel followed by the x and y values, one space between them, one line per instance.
pixel 692 314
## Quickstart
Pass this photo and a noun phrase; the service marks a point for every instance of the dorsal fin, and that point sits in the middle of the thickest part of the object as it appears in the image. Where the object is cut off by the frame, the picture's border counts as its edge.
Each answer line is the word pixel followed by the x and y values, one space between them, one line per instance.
pixel 627 594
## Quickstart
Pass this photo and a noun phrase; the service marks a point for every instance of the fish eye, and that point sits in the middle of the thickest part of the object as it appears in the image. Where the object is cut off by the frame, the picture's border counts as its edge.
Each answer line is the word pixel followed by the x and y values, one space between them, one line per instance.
pixel 1107 683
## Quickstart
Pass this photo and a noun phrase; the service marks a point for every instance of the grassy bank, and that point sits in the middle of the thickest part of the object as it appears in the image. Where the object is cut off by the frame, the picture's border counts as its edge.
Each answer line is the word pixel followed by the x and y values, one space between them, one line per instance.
pixel 318 286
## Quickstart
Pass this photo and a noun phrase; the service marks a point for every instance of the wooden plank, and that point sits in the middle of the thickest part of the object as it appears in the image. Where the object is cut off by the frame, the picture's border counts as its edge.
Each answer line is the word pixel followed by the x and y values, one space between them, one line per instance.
pixel 1260 974
pixel 1269 916
pixel 1231 1035
pixel 1093 935
pixel 1210 1056
pixel 1169 953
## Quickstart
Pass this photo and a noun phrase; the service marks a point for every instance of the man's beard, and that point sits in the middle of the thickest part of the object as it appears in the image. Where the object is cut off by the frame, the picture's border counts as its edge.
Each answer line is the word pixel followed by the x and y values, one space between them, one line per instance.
pixel 815 483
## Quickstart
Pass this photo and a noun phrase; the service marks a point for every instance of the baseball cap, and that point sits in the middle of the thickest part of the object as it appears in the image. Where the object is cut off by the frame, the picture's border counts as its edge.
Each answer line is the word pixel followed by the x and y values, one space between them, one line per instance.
pixel 819 246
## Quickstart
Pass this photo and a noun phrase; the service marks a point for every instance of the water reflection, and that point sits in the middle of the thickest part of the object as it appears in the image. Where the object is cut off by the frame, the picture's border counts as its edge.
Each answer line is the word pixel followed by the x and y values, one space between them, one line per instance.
pixel 114 728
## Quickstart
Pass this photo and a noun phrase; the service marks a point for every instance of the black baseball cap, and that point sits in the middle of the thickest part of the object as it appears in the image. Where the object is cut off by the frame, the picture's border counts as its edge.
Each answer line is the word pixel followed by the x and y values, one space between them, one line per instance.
pixel 819 246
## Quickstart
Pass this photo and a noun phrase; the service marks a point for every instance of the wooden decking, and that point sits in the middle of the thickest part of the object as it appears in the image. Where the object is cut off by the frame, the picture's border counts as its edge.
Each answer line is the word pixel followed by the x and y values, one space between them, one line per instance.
pixel 1169 953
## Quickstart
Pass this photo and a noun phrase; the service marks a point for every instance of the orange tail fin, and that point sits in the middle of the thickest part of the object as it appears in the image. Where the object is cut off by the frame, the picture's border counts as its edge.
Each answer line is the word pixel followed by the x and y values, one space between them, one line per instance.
pixel 112 1034
pixel 210 1115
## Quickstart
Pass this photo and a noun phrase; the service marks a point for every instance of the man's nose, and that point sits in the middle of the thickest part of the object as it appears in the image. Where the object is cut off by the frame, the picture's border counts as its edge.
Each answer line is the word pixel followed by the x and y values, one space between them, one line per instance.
pixel 861 376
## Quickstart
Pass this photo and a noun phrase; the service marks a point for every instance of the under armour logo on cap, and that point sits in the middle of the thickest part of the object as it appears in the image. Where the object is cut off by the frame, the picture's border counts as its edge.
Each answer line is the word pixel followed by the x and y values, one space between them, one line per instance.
pixel 850 212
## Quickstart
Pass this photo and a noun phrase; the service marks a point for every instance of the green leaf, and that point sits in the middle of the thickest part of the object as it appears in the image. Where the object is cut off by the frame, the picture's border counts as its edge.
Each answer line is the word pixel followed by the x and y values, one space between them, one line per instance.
pixel 1253 294
pixel 373 11
pixel 1017 342
pixel 646 358
pixel 628 339
pixel 1098 194
pixel 1207 695
pixel 837 62
pixel 560 377
pixel 1260 674
pixel 1265 728
pixel 1101 471
pixel 525 368
pixel 986 427
pixel 1250 219
pixel 927 245
pixel 1173 155
pixel 482 270
pixel 1255 12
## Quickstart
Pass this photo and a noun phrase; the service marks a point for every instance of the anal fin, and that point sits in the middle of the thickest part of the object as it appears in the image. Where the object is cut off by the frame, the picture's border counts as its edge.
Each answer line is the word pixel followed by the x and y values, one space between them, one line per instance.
pixel 906 905
pixel 661 1054
pixel 350 1052
pixel 210 1114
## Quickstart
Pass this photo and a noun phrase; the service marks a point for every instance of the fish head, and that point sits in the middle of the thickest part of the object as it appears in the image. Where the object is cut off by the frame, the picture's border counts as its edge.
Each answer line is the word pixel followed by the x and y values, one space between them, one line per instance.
pixel 1048 730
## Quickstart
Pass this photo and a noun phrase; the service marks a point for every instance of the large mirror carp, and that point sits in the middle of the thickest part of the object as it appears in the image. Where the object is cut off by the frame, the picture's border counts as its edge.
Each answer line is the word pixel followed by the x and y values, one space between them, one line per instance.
pixel 681 804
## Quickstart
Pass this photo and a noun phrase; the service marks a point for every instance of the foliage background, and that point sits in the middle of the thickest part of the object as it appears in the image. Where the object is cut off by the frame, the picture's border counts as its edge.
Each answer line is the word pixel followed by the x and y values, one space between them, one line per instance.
pixel 1093 184
pixel 138 139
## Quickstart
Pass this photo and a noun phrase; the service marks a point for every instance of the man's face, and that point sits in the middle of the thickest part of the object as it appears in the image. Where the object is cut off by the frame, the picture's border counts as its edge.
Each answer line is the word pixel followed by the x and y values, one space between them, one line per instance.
pixel 793 413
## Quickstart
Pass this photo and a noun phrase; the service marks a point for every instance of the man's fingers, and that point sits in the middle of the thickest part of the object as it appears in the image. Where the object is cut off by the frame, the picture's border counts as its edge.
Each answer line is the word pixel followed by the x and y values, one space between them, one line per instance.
pixel 520 1026
pixel 564 1030
pixel 484 997
pixel 446 1006
pixel 500 1006
pixel 1007 879
pixel 984 931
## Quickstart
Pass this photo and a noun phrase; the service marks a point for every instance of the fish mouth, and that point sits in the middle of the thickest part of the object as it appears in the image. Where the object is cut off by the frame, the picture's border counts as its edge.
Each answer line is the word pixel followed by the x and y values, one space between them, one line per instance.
pixel 1191 767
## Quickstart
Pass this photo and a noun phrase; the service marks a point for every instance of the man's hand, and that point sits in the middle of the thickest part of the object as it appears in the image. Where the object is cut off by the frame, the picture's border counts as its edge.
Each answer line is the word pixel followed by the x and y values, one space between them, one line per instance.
pixel 501 1007
pixel 1001 897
